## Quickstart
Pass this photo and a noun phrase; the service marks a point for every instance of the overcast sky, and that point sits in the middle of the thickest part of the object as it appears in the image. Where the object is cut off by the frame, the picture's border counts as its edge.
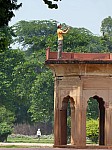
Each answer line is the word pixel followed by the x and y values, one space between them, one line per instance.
pixel 76 13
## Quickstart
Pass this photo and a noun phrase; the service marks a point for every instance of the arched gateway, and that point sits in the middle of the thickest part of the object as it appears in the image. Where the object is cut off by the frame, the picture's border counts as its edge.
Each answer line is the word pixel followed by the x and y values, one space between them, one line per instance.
pixel 77 78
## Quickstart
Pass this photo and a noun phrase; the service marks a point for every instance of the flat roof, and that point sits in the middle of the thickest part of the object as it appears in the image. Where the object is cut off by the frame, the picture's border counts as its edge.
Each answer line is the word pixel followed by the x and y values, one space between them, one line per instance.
pixel 78 58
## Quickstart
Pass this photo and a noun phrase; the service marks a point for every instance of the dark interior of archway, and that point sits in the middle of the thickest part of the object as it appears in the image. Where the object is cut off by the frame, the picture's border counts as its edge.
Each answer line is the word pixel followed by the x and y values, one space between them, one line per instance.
pixel 101 120
pixel 64 114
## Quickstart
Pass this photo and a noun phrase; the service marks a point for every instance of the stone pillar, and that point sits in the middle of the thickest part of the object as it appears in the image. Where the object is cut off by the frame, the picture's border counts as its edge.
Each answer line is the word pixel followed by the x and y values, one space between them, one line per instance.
pixel 60 127
pixel 79 138
pixel 108 125
pixel 56 113
pixel 60 117
pixel 83 127
pixel 63 127
pixel 56 127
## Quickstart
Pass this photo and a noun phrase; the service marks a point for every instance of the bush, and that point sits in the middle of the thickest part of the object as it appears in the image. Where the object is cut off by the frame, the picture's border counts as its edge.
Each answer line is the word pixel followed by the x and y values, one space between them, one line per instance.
pixel 5 130
pixel 92 130
pixel 68 129
pixel 6 123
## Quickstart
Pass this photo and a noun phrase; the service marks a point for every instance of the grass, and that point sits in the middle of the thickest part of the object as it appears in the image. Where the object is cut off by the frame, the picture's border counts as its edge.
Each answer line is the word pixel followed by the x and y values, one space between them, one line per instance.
pixel 17 146
pixel 30 139
pixel 27 139
pixel 17 138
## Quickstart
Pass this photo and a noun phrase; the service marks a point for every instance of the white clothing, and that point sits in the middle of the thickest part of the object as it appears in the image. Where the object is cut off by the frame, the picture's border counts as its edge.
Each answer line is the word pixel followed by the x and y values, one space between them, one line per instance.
pixel 39 132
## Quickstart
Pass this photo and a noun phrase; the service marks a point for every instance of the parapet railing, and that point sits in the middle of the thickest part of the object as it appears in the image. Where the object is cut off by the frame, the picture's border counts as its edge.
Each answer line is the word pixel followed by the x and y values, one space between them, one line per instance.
pixel 78 56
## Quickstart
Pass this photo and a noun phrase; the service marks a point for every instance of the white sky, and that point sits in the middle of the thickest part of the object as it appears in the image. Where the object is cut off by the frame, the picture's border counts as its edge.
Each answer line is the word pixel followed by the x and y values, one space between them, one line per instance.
pixel 76 13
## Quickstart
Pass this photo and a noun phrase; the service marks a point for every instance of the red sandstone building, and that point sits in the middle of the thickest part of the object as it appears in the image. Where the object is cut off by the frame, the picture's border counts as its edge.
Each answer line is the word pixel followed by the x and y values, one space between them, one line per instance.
pixel 79 76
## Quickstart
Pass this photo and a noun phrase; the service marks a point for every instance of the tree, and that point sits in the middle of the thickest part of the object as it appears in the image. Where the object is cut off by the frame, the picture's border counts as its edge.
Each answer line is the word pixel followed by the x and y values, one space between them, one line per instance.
pixel 24 76
pixel 9 60
pixel 6 123
pixel 92 109
pixel 6 11
pixel 35 35
pixel 41 108
pixel 92 122
pixel 106 29
pixel 6 34
pixel 106 26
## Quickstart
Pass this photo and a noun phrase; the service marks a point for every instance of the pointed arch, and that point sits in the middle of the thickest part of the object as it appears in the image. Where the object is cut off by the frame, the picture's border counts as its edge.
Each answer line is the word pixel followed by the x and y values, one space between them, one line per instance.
pixel 101 105
pixel 63 117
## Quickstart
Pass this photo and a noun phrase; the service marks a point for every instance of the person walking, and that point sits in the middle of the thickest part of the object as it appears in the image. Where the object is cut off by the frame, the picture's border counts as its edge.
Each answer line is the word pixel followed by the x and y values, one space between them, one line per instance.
pixel 60 33
pixel 38 134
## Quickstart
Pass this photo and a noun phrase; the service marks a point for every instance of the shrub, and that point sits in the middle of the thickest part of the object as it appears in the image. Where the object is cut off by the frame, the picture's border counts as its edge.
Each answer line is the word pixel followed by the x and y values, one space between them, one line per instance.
pixel 6 123
pixel 92 131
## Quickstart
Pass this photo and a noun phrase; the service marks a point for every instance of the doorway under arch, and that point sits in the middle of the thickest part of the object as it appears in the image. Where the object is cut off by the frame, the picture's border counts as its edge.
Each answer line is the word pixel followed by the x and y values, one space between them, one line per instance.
pixel 101 118
pixel 63 117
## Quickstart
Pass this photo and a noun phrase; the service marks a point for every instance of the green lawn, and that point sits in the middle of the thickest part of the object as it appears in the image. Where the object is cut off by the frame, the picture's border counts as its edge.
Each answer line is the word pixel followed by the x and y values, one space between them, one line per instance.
pixel 33 139
pixel 30 139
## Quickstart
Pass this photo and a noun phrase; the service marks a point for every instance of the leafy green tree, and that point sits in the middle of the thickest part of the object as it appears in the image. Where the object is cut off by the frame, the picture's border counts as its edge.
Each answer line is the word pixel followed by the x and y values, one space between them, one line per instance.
pixel 92 130
pixel 41 108
pixel 106 29
pixel 92 109
pixel 6 123
pixel 37 35
pixel 92 122
pixel 8 61
pixel 6 11
pixel 106 26
pixel 82 40
pixel 33 35
pixel 76 38
pixel 6 34
pixel 24 77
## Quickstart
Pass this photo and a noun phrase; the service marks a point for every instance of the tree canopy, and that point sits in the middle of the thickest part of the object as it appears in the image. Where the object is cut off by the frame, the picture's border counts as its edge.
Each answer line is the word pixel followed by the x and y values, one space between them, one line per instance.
pixel 106 29
pixel 26 84
pixel 106 26
pixel 6 11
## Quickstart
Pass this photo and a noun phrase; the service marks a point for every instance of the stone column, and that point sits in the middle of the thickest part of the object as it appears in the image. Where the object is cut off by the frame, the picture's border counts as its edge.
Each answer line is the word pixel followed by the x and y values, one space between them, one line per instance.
pixel 108 125
pixel 56 127
pixel 79 130
pixel 60 117
pixel 56 113
pixel 60 127
pixel 83 126
pixel 63 127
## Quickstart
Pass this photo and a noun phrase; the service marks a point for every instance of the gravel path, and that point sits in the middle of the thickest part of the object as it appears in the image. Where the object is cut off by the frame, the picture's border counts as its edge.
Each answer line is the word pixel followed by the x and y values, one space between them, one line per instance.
pixel 44 149
pixel 42 146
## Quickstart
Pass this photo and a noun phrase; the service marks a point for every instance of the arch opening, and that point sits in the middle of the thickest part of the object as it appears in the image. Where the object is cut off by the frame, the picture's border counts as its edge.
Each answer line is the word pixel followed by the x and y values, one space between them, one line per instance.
pixel 66 113
pixel 96 113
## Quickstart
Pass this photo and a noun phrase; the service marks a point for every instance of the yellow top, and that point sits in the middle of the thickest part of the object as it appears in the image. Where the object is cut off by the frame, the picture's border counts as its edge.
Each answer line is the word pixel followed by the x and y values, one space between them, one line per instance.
pixel 60 34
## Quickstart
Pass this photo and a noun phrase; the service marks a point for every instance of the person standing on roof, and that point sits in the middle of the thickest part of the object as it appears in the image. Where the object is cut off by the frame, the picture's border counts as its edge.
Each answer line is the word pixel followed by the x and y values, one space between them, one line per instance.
pixel 60 33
